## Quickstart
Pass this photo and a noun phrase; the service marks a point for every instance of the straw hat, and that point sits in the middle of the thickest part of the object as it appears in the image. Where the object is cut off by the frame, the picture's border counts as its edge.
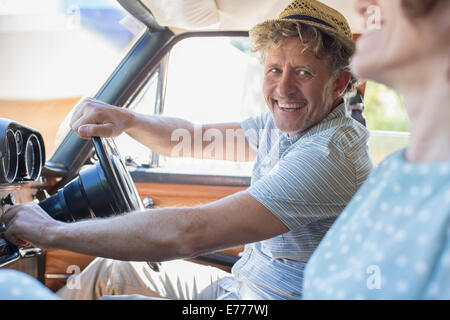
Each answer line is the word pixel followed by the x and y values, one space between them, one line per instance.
pixel 317 14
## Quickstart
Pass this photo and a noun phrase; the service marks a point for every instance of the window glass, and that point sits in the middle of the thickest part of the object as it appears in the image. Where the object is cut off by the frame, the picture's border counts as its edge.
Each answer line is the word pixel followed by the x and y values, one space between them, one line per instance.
pixel 134 153
pixel 386 119
pixel 53 52
pixel 212 80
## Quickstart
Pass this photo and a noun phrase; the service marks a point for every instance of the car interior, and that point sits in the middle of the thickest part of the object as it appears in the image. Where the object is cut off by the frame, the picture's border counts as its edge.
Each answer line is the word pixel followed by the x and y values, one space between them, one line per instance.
pixel 43 161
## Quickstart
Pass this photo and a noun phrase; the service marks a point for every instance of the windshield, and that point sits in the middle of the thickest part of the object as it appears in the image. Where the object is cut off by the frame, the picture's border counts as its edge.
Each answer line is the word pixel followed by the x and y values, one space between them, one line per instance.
pixel 53 52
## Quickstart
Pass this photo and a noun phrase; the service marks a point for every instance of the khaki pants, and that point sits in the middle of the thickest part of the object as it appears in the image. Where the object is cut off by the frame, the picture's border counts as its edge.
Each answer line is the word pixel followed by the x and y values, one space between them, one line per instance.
pixel 176 279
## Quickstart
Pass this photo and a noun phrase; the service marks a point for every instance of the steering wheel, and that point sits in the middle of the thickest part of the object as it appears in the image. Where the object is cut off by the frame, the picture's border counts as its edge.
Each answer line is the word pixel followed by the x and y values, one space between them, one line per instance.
pixel 101 190
pixel 122 186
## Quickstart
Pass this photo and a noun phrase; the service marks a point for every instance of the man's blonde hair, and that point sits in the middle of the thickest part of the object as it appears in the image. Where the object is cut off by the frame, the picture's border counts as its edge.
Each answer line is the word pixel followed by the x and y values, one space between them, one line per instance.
pixel 322 45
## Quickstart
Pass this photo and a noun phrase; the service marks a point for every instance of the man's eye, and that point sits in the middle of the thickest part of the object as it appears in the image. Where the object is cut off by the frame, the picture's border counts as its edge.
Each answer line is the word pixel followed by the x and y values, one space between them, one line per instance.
pixel 304 73
pixel 274 70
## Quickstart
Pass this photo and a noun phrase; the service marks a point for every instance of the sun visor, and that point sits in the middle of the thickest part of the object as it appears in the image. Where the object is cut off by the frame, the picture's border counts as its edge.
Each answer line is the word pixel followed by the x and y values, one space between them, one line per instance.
pixel 185 14
pixel 229 14
pixel 244 15
pixel 213 14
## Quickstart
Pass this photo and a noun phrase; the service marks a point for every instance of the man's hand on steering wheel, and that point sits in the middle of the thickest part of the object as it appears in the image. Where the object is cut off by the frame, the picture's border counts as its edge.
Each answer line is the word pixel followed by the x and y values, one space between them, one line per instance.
pixel 95 118
pixel 27 224
pixel 98 120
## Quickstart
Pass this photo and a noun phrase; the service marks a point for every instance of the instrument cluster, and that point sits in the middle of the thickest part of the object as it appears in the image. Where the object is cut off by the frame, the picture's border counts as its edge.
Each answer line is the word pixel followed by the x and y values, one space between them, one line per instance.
pixel 22 152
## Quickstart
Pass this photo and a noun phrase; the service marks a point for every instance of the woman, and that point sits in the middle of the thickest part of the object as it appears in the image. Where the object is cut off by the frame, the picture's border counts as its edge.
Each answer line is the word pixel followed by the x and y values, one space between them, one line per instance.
pixel 393 240
pixel 15 285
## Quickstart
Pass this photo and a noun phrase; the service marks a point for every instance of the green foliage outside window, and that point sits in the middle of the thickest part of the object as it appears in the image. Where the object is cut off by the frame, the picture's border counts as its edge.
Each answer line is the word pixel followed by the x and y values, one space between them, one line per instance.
pixel 386 119
pixel 384 109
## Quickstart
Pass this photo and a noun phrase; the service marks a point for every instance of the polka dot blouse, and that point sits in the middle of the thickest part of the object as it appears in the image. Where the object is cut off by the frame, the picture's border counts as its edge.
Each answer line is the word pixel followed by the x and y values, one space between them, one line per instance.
pixel 393 239
pixel 15 285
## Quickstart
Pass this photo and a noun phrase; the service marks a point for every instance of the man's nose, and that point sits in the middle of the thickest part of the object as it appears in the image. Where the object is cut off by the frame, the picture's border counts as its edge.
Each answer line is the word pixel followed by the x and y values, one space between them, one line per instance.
pixel 286 84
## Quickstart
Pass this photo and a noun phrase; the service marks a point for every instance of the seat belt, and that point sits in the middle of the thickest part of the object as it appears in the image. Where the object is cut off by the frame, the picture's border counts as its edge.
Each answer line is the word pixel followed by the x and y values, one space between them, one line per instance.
pixel 355 107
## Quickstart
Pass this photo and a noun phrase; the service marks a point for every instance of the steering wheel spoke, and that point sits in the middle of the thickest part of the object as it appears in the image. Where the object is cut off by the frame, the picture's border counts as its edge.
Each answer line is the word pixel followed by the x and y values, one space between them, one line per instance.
pixel 125 192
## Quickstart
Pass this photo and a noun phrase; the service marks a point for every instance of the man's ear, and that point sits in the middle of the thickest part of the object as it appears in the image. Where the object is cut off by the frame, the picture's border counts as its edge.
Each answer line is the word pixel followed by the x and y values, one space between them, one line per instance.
pixel 342 82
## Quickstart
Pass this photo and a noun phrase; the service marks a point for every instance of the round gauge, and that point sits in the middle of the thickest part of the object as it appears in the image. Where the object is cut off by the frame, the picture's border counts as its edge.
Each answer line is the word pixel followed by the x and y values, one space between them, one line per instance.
pixel 9 159
pixel 19 141
pixel 33 158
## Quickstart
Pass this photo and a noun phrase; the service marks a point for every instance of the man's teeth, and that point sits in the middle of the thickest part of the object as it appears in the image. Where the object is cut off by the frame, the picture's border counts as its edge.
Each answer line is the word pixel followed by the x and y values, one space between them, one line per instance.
pixel 290 105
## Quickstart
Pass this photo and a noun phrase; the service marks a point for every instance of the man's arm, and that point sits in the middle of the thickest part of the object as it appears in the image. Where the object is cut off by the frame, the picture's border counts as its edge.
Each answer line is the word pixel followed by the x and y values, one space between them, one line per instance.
pixel 167 136
pixel 151 235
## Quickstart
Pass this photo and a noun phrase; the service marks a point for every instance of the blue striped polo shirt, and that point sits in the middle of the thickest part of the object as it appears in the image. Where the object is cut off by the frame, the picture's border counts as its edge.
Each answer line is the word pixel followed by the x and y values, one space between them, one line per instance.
pixel 306 181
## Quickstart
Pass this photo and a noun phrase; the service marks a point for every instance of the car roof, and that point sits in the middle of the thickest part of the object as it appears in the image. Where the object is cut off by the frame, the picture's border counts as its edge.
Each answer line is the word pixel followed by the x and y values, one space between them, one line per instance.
pixel 221 15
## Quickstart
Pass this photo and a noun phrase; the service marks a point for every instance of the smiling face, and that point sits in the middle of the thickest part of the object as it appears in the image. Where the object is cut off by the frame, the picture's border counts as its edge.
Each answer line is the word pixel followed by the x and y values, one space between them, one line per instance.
pixel 393 42
pixel 298 87
pixel 378 48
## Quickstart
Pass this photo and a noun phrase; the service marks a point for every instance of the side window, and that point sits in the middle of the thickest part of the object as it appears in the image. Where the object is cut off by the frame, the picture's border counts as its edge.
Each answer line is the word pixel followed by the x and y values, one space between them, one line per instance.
pixel 386 119
pixel 208 80
pixel 212 80
pixel 135 153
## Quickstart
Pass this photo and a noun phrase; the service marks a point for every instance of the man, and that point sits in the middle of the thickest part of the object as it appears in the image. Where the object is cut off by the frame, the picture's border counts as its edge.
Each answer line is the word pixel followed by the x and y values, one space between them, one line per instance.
pixel 310 160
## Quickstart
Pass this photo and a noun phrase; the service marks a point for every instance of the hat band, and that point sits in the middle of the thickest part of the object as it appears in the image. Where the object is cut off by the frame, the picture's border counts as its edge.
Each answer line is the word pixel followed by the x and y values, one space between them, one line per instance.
pixel 308 18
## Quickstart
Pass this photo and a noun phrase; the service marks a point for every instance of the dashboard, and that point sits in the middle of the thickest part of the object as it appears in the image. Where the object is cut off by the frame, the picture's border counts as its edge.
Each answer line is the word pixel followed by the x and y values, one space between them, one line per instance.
pixel 22 153
pixel 22 156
